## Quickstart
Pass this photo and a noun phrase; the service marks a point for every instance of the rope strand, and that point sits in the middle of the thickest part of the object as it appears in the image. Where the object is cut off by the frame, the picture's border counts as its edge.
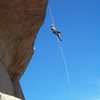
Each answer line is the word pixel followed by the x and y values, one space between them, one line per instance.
pixel 65 64
pixel 51 15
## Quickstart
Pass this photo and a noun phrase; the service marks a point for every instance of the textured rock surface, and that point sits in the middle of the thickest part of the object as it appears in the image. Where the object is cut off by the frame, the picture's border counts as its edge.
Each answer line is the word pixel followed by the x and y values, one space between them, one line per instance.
pixel 7 97
pixel 20 21
pixel 6 85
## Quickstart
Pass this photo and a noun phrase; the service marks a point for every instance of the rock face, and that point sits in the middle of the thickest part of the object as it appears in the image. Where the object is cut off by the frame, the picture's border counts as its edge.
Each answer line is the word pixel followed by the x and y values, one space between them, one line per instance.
pixel 20 21
pixel 7 97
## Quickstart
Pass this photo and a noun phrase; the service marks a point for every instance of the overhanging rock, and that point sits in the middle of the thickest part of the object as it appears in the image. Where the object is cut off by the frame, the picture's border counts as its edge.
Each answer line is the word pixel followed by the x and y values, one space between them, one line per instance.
pixel 20 21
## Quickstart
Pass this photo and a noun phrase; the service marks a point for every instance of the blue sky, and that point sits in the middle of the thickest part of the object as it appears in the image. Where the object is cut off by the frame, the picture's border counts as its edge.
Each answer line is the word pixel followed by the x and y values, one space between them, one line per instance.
pixel 45 77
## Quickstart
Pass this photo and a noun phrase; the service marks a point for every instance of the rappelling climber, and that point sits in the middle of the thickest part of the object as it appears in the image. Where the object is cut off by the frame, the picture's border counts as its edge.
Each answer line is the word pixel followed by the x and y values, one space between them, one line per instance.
pixel 56 32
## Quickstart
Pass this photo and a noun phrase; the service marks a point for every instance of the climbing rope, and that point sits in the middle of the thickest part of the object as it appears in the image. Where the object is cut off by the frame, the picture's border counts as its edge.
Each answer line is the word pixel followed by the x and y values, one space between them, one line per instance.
pixel 51 15
pixel 61 50
pixel 65 63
